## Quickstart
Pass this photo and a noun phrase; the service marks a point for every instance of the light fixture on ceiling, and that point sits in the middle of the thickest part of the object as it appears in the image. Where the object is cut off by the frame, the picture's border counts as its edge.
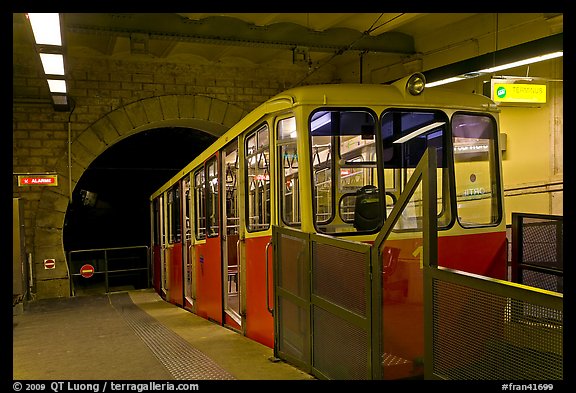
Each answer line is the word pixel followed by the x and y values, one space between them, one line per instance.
pixel 543 49
pixel 47 31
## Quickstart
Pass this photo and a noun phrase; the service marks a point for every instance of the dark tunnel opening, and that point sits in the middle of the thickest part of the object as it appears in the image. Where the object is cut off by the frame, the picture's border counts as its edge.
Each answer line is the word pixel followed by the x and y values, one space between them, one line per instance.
pixel 110 204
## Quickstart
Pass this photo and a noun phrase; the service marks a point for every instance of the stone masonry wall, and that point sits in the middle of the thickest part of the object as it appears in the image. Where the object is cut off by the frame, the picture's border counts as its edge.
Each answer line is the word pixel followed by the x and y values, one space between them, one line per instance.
pixel 113 100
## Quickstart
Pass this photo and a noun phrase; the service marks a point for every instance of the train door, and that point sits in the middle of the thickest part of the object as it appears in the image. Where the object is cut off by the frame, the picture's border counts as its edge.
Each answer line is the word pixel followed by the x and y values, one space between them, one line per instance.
pixel 174 248
pixel 258 273
pixel 187 252
pixel 157 239
pixel 231 266
pixel 209 266
pixel 163 247
pixel 199 244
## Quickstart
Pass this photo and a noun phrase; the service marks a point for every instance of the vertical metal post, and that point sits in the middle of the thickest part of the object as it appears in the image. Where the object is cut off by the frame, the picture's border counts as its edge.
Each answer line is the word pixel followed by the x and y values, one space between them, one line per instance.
pixel 430 251
pixel 106 270
pixel 516 247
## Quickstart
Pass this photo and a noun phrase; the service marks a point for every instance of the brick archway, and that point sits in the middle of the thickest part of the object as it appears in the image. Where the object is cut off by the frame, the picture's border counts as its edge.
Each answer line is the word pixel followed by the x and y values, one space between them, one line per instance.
pixel 194 111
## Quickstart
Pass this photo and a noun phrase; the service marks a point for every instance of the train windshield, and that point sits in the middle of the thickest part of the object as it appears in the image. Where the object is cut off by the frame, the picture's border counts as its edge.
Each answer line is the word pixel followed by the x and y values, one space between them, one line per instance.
pixel 406 134
pixel 360 168
pixel 344 171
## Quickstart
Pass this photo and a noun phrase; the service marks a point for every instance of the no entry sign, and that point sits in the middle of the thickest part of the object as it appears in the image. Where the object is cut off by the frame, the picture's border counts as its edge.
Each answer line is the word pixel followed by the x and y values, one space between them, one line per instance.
pixel 49 264
pixel 87 270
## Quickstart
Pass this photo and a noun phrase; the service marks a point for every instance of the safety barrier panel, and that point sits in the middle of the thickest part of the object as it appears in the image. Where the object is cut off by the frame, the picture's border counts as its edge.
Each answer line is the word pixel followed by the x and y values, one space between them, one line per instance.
pixel 330 311
pixel 537 251
pixel 323 317
pixel 104 270
pixel 341 314
pixel 478 328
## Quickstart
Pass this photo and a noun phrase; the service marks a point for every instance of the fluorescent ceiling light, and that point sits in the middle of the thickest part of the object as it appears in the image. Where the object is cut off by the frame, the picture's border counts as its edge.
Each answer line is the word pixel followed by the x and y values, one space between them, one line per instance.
pixel 57 86
pixel 53 63
pixel 419 131
pixel 445 81
pixel 523 62
pixel 506 66
pixel 46 28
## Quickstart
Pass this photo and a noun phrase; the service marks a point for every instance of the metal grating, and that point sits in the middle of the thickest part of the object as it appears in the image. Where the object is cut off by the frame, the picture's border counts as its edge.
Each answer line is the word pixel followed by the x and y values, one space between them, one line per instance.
pixel 341 350
pixel 183 361
pixel 503 338
pixel 292 275
pixel 546 281
pixel 539 244
pixel 294 336
pixel 339 276
pixel 540 262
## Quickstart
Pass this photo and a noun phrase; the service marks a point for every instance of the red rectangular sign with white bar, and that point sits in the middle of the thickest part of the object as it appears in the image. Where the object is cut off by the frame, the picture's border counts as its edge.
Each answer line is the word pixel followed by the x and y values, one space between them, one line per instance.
pixel 37 180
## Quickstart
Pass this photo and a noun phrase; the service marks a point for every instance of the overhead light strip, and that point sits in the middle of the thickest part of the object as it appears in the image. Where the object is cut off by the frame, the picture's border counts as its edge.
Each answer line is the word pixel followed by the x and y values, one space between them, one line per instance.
pixel 542 49
pixel 47 32
pixel 485 71
pixel 46 28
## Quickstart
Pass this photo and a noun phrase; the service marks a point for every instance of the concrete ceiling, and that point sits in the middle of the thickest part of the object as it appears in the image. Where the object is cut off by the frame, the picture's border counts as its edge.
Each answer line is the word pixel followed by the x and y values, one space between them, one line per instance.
pixel 280 39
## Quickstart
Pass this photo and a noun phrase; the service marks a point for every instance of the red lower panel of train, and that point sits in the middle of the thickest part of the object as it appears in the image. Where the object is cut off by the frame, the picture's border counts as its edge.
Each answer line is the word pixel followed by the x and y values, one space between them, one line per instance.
pixel 402 292
pixel 174 262
pixel 209 280
pixel 259 321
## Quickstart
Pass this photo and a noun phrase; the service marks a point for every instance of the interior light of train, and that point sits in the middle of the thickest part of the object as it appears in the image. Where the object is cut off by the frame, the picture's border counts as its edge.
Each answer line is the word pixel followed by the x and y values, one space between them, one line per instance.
pixel 419 131
pixel 319 122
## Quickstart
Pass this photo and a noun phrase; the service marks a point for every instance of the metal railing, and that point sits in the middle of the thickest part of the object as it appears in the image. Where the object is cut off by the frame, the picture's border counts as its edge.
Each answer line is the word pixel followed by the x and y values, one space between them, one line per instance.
pixel 103 270
pixel 537 251
pixel 471 327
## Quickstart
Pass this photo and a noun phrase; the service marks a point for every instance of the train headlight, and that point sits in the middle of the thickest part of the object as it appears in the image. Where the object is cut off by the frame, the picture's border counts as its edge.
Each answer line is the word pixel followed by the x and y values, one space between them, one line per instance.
pixel 415 84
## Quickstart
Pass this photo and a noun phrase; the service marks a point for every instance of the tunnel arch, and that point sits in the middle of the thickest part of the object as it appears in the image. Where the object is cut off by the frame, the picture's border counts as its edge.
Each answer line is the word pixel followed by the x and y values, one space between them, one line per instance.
pixel 203 113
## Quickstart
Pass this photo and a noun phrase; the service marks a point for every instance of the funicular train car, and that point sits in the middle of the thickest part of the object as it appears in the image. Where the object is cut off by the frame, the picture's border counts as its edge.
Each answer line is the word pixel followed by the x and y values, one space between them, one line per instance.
pixel 331 159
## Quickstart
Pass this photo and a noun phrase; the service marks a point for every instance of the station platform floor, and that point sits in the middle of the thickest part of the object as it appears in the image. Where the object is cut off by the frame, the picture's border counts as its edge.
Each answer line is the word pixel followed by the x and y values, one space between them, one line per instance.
pixel 134 335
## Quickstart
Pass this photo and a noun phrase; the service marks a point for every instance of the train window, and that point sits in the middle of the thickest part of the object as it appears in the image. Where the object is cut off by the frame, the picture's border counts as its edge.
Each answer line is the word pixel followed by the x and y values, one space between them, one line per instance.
pixel 156 226
pixel 230 169
pixel 199 205
pixel 406 134
pixel 258 179
pixel 186 207
pixel 476 170
pixel 212 210
pixel 344 176
pixel 288 156
pixel 174 214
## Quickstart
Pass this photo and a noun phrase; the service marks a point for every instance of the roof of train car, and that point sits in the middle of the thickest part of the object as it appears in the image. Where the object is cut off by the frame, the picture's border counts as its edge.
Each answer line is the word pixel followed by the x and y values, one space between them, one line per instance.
pixel 347 94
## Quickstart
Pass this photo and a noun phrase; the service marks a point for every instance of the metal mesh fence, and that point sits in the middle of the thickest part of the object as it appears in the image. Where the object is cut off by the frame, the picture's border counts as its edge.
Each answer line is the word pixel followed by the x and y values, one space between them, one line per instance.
pixel 480 335
pixel 338 275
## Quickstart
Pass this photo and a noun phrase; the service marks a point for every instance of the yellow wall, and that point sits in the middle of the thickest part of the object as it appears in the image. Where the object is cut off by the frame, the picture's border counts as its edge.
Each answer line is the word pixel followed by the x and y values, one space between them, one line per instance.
pixel 533 159
pixel 527 156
